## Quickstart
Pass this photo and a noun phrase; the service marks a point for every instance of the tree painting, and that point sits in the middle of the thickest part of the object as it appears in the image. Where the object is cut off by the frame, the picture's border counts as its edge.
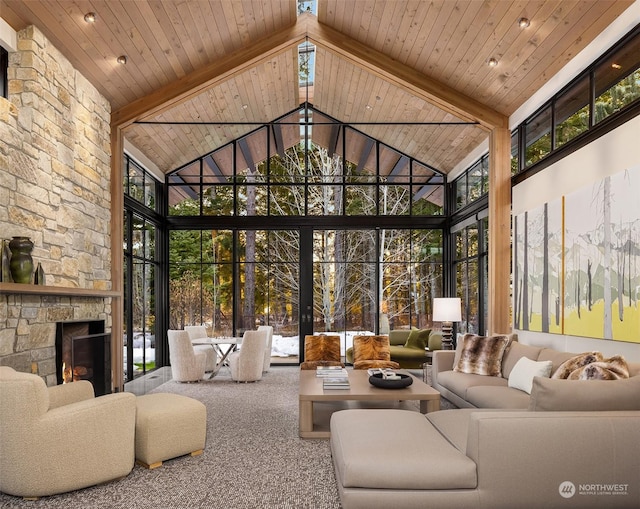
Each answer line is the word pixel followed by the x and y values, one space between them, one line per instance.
pixel 537 265
pixel 597 255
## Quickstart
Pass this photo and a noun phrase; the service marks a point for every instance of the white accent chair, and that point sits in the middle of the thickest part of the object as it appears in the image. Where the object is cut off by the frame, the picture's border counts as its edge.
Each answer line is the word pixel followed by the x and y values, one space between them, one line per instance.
pixel 187 363
pixel 61 438
pixel 197 332
pixel 246 363
pixel 267 351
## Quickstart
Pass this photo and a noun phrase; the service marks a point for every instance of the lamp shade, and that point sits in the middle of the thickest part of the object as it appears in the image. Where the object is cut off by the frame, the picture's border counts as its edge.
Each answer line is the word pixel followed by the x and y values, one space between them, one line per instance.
pixel 447 309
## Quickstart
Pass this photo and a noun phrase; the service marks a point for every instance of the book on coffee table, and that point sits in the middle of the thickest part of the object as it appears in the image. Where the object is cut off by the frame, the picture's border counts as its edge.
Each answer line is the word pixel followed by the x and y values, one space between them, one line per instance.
pixel 331 371
pixel 339 382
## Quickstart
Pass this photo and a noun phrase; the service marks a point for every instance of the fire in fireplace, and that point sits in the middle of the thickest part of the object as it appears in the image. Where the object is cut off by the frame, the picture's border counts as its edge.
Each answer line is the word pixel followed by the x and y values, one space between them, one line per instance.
pixel 83 352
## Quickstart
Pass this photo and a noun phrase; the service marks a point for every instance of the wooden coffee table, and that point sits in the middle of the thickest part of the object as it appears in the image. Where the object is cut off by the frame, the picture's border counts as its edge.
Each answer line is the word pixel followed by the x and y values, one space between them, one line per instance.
pixel 311 391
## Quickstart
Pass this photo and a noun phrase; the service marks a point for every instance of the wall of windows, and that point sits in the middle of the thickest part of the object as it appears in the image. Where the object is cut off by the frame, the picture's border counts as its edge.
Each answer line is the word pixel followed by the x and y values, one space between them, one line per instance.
pixel 471 273
pixel 608 88
pixel 143 281
pixel 308 225
pixel 361 280
pixel 318 168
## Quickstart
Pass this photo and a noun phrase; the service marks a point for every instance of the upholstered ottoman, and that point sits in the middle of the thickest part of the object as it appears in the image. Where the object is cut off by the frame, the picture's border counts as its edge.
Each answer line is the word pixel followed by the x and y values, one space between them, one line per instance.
pixel 167 426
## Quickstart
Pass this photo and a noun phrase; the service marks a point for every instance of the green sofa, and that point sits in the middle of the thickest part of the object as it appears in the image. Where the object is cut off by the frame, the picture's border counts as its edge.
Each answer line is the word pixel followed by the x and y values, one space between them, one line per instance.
pixel 408 358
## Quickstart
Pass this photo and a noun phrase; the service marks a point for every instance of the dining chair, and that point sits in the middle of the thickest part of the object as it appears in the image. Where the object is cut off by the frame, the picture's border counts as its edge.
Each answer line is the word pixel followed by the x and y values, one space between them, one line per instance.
pixel 267 350
pixel 247 362
pixel 197 332
pixel 187 363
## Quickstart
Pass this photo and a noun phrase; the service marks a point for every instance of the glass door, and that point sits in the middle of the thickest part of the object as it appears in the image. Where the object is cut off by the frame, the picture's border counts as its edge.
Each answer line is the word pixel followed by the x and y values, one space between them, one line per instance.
pixel 345 275
pixel 304 281
pixel 268 287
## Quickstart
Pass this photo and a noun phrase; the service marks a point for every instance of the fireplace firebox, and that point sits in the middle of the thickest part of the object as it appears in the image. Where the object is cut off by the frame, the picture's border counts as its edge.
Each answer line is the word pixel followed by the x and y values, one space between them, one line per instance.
pixel 83 352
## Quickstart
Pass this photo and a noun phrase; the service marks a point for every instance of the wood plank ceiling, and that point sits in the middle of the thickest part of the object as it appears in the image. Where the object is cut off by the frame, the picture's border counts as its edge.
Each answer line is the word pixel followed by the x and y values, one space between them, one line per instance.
pixel 377 62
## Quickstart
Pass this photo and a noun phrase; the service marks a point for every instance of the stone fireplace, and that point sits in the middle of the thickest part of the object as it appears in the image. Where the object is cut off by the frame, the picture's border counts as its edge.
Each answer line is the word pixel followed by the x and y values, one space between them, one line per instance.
pixel 83 352
pixel 57 134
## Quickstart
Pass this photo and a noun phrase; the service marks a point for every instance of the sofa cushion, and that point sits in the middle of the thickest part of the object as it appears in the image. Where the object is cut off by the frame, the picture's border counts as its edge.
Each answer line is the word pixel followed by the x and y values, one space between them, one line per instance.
pixel 486 396
pixel 458 383
pixel 482 355
pixel 521 376
pixel 435 341
pixel 398 336
pixel 362 448
pixel 550 394
pixel 514 353
pixel 401 354
pixel 614 368
pixel 574 363
pixel 418 338
pixel 556 357
pixel 453 425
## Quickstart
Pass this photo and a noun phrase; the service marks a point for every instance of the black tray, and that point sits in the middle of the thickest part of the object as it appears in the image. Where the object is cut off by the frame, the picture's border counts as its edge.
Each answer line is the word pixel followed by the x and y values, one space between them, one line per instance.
pixel 377 381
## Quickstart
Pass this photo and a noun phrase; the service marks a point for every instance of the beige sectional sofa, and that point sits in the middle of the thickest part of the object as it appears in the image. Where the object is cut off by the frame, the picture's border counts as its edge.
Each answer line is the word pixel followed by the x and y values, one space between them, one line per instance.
pixel 571 444
pixel 479 391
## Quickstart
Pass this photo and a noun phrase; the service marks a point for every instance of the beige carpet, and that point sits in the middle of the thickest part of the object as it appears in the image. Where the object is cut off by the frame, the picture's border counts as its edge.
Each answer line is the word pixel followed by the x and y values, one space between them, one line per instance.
pixel 253 457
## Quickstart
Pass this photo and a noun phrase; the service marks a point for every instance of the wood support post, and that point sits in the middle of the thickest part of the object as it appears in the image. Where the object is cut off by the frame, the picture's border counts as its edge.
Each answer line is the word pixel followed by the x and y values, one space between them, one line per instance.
pixel 117 303
pixel 499 231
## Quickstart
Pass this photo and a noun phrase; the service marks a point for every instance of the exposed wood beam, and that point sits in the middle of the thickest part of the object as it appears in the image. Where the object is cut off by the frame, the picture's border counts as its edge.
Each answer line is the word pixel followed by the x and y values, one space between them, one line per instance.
pixel 211 75
pixel 433 183
pixel 432 91
pixel 215 169
pixel 401 163
pixel 279 139
pixel 307 25
pixel 364 155
pixel 333 139
pixel 248 156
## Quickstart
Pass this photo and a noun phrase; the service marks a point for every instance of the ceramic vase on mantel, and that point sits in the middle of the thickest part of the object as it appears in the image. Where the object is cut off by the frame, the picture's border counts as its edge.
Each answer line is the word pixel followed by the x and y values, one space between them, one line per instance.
pixel 21 263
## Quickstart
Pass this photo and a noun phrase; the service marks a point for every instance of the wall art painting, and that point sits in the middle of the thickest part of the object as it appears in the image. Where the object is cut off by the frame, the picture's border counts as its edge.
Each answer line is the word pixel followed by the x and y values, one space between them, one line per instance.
pixel 577 262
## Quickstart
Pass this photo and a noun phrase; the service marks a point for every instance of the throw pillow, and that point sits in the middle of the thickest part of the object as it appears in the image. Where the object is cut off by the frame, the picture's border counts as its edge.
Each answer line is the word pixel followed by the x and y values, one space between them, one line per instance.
pixel 581 395
pixel 570 365
pixel 482 355
pixel 521 376
pixel 614 368
pixel 418 339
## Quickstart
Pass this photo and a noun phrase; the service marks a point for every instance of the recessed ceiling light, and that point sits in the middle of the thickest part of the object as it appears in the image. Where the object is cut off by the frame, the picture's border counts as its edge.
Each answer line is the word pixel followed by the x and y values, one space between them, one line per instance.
pixel 524 22
pixel 90 17
pixel 244 106
pixel 492 62
pixel 368 107
pixel 122 59
pixel 616 66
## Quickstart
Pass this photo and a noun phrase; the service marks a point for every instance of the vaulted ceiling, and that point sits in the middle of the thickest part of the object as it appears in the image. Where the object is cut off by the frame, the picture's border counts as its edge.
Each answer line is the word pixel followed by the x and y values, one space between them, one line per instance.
pixel 204 72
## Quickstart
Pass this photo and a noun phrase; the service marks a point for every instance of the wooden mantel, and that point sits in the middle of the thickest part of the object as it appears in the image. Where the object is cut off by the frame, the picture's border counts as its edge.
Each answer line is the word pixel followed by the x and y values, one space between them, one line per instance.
pixel 28 289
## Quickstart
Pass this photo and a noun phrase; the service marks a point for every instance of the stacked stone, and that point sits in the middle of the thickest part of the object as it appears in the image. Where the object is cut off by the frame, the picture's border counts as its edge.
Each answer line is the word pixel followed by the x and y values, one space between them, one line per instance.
pixel 55 158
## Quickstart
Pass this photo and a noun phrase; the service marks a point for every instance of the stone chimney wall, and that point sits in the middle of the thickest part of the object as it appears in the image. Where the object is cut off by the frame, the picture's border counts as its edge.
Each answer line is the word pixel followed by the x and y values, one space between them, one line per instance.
pixel 55 158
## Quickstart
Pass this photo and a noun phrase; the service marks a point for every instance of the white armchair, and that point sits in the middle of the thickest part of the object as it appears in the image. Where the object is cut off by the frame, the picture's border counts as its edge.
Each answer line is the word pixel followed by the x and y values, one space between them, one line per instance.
pixel 187 364
pixel 246 363
pixel 61 438
pixel 197 332
pixel 267 350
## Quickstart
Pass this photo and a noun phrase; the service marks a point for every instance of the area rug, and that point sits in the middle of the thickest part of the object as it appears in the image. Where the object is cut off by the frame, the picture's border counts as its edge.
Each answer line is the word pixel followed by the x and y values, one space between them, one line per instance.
pixel 253 457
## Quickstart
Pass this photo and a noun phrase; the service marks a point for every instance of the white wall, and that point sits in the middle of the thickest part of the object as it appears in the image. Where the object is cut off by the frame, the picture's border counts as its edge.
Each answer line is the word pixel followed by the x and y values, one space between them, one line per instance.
pixel 616 151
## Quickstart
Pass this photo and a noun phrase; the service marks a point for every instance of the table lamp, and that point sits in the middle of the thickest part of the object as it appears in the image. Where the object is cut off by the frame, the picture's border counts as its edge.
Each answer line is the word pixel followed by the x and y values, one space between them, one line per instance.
pixel 447 310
